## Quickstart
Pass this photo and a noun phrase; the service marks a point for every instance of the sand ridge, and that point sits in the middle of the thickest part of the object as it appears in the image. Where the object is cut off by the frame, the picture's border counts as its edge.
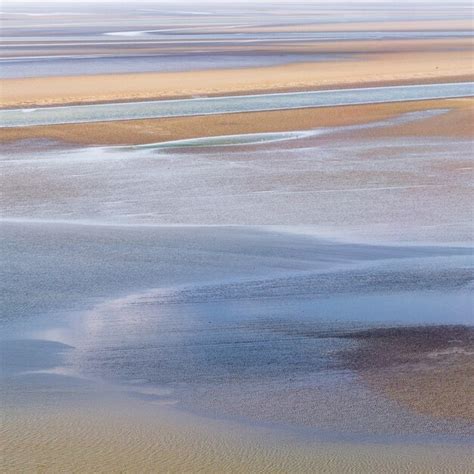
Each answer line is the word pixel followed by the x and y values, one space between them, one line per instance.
pixel 454 123
pixel 382 69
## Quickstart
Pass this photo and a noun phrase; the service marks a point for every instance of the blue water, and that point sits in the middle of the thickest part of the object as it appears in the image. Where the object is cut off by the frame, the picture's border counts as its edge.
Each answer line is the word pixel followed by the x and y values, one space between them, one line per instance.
pixel 222 105
pixel 232 321
pixel 115 64
pixel 355 188
pixel 222 319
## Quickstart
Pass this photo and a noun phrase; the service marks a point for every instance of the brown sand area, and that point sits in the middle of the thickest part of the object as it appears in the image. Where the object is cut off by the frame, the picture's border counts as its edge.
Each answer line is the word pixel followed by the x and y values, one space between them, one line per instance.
pixel 457 123
pixel 374 69
pixel 427 369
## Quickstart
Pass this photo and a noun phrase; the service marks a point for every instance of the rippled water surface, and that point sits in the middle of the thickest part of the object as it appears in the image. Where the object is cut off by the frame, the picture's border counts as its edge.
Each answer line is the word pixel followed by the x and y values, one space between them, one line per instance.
pixel 155 269
pixel 231 317
pixel 416 189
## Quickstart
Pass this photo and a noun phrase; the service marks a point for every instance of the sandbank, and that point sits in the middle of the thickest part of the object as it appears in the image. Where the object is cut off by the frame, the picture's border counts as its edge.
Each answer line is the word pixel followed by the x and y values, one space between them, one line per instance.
pixel 376 69
pixel 455 123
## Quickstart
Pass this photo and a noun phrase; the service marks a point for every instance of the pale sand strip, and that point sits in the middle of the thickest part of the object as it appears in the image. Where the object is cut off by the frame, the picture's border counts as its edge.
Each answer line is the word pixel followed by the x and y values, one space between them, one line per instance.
pixel 457 122
pixel 432 66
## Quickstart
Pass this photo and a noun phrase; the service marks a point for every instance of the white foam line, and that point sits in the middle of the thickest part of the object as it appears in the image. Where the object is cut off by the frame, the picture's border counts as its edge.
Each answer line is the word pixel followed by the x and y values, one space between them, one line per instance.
pixel 212 141
pixel 278 136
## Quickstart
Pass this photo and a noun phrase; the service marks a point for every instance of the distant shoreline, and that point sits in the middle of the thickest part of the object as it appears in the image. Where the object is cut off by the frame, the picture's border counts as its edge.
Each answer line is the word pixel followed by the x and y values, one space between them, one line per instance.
pixel 375 69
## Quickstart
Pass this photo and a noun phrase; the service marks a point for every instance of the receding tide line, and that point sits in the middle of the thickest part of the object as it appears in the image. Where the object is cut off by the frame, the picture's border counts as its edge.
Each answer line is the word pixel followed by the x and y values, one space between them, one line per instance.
pixel 230 104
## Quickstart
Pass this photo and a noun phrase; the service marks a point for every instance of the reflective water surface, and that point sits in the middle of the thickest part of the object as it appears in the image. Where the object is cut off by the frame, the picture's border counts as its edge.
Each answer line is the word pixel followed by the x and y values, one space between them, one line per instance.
pixel 220 105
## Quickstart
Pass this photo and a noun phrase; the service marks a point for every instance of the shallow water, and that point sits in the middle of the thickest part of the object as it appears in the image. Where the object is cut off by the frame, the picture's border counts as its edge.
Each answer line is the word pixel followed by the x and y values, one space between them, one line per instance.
pixel 61 65
pixel 109 290
pixel 218 22
pixel 131 339
pixel 221 105
pixel 391 188
pixel 238 315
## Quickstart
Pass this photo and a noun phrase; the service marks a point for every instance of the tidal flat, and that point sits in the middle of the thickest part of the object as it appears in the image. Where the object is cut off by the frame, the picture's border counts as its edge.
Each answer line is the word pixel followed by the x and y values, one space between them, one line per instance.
pixel 241 334
pixel 241 291
pixel 338 343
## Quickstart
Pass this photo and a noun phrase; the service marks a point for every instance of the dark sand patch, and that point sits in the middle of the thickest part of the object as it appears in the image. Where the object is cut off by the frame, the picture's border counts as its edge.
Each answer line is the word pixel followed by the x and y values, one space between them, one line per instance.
pixel 426 368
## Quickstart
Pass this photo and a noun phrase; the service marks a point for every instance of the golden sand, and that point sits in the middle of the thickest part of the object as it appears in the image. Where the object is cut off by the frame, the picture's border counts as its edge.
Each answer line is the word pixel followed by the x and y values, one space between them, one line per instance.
pixel 454 123
pixel 136 438
pixel 389 68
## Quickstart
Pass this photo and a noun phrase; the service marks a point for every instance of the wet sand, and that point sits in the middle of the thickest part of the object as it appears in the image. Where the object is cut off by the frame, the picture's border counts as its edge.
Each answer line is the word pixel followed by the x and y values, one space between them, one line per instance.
pixel 456 123
pixel 427 369
pixel 129 437
pixel 352 178
pixel 381 69
pixel 56 421
pixel 273 404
